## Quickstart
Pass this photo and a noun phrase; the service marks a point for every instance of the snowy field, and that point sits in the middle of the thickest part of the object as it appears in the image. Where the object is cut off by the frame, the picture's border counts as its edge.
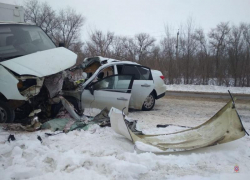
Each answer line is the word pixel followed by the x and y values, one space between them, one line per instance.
pixel 208 89
pixel 100 153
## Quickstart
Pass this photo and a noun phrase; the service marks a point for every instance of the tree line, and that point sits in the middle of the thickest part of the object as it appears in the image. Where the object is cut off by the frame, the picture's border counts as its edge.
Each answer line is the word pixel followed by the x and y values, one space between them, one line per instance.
pixel 219 57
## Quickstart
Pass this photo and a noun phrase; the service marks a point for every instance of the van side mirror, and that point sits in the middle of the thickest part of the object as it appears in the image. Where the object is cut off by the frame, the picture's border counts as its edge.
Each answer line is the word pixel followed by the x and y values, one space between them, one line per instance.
pixel 61 44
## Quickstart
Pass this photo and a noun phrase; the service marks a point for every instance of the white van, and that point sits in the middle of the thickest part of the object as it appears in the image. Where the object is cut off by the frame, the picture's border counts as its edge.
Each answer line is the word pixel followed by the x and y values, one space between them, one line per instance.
pixel 11 13
pixel 28 58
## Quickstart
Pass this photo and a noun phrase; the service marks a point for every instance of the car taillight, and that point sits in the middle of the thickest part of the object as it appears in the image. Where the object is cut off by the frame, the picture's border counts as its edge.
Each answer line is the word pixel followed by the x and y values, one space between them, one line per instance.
pixel 162 77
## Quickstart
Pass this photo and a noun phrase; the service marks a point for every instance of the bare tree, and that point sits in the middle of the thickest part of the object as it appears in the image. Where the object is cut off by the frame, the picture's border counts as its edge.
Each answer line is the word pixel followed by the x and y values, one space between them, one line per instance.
pixel 235 52
pixel 203 67
pixel 246 65
pixel 100 43
pixel 42 15
pixel 155 57
pixel 144 42
pixel 222 55
pixel 32 11
pixel 130 49
pixel 218 39
pixel 168 45
pixel 69 27
pixel 188 46
pixel 119 48
pixel 63 27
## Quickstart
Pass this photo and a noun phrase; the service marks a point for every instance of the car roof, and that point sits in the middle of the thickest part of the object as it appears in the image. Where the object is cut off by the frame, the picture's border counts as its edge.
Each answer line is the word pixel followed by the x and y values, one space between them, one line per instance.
pixel 124 62
pixel 106 61
pixel 118 63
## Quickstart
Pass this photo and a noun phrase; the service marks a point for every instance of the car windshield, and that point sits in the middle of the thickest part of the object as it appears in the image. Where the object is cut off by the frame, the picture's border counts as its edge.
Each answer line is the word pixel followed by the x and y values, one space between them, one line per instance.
pixel 19 40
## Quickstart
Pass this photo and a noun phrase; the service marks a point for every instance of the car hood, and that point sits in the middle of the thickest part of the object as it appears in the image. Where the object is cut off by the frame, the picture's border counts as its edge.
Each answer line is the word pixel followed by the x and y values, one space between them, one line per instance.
pixel 42 63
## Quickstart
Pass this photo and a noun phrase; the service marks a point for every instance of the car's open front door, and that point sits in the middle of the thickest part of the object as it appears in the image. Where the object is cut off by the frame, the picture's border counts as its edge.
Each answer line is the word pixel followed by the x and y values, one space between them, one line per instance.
pixel 112 91
pixel 143 84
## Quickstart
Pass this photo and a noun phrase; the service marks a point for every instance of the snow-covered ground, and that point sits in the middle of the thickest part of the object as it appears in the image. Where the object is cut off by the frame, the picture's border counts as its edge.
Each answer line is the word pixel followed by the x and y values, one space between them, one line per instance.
pixel 100 153
pixel 208 88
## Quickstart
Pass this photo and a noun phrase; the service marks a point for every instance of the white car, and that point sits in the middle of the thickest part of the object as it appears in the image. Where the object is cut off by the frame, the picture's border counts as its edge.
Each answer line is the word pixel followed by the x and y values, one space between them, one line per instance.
pixel 28 58
pixel 120 84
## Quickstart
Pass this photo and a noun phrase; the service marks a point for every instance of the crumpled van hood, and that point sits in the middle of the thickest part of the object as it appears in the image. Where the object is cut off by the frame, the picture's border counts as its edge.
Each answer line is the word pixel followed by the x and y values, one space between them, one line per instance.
pixel 42 63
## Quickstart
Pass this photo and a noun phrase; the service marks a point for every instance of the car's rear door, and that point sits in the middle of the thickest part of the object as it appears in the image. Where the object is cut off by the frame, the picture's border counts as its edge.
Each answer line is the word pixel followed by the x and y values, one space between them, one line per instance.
pixel 112 91
pixel 143 83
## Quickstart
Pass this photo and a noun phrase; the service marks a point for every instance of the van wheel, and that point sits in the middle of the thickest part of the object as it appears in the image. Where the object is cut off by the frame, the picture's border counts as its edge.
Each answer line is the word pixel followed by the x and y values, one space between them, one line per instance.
pixel 149 103
pixel 7 114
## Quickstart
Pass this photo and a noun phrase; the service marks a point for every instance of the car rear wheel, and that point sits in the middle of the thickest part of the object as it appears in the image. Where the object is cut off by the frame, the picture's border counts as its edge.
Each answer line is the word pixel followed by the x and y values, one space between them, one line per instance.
pixel 7 114
pixel 149 103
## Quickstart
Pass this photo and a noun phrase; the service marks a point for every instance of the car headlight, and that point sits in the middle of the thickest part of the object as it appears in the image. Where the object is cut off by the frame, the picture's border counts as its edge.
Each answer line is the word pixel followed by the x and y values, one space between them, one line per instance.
pixel 29 85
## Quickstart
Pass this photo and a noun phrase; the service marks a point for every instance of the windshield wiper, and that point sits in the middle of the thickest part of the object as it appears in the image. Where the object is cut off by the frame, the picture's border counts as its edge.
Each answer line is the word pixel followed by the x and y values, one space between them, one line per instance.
pixel 11 57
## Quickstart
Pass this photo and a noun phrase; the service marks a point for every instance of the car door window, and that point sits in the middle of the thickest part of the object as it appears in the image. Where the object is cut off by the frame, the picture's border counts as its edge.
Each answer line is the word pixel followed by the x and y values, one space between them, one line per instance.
pixel 139 72
pixel 120 83
pixel 131 70
pixel 109 71
pixel 119 69
pixel 144 73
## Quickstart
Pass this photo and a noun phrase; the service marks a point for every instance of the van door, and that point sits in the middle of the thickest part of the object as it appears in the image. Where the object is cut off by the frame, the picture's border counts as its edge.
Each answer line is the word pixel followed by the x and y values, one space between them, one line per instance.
pixel 143 83
pixel 112 91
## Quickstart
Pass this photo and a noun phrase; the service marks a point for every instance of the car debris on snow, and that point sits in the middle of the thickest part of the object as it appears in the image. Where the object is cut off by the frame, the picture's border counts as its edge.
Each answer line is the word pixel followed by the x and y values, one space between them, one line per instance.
pixel 63 124
pixel 223 127
pixel 100 153
pixel 33 126
pixel 68 124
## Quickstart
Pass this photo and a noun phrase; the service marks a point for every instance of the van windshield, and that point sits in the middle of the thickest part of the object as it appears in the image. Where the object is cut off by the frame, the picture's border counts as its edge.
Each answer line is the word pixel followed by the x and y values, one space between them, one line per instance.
pixel 19 40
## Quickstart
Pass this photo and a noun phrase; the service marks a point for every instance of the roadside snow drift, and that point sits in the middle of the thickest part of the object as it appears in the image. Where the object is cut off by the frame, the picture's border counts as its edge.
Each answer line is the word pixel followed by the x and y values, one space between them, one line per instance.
pixel 208 89
pixel 100 153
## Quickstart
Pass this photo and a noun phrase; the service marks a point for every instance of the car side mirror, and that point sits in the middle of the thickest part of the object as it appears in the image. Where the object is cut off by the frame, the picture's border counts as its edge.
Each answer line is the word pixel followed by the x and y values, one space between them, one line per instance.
pixel 61 44
pixel 91 89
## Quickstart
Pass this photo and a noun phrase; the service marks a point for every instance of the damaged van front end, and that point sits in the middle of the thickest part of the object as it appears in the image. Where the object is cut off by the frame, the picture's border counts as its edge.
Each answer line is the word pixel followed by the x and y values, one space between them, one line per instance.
pixel 31 70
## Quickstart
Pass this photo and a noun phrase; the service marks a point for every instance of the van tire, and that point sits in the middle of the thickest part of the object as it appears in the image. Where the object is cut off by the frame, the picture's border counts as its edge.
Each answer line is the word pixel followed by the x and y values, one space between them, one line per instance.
pixel 7 114
pixel 149 103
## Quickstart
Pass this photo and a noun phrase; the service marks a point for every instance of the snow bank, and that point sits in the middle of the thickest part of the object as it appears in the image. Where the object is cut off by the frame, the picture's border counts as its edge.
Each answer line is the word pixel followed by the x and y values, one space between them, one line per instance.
pixel 100 153
pixel 208 89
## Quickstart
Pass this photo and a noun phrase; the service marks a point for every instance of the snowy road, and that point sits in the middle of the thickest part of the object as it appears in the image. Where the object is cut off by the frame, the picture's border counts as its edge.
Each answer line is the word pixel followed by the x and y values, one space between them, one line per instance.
pixel 207 95
pixel 100 153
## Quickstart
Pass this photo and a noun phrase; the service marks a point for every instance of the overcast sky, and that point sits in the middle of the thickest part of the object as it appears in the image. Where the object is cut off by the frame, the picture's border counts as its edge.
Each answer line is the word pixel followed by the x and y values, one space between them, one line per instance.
pixel 129 17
